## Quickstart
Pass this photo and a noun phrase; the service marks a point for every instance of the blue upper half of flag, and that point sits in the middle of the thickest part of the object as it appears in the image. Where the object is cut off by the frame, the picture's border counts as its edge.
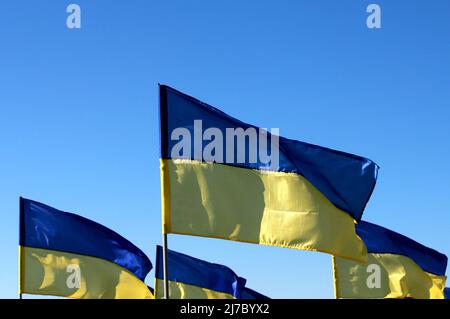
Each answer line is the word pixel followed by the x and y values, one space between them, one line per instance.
pixel 344 179
pixel 384 241
pixel 44 227
pixel 196 272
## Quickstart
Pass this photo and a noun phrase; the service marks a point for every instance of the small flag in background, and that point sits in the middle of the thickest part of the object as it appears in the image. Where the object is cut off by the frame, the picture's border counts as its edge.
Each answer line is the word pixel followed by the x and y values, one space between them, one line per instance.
pixel 63 254
pixel 226 179
pixel 397 267
pixel 192 278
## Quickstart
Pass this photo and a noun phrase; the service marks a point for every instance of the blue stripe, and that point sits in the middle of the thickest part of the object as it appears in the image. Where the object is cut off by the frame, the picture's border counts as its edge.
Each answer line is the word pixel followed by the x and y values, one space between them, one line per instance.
pixel 196 272
pixel 251 294
pixel 48 228
pixel 384 241
pixel 346 180
pixel 447 293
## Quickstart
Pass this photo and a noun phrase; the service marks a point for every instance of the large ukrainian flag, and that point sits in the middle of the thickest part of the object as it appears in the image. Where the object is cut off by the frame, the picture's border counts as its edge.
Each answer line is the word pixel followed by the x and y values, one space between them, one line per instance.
pixel 397 267
pixel 192 278
pixel 63 254
pixel 309 201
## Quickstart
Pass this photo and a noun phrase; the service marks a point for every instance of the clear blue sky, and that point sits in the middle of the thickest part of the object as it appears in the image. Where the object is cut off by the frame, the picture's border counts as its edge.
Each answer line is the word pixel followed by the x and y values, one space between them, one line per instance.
pixel 79 113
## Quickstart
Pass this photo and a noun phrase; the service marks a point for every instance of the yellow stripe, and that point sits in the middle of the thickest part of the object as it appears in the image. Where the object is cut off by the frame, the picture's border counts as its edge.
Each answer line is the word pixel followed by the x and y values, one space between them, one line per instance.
pixel 20 270
pixel 48 272
pixel 165 200
pixel 269 208
pixel 385 276
pixel 178 290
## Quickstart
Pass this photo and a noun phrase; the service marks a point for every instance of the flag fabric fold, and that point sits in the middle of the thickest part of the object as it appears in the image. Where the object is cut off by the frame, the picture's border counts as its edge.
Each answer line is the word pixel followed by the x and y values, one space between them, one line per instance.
pixel 218 180
pixel 63 254
pixel 397 267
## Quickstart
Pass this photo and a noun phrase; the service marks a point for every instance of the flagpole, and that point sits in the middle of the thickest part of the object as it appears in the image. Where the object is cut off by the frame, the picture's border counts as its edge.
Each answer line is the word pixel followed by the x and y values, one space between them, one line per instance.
pixel 165 203
pixel 20 272
pixel 164 180
pixel 21 225
pixel 166 279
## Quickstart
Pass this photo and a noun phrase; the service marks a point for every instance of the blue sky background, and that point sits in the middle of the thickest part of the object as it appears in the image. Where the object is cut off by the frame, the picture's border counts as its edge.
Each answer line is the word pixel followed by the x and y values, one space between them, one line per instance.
pixel 79 113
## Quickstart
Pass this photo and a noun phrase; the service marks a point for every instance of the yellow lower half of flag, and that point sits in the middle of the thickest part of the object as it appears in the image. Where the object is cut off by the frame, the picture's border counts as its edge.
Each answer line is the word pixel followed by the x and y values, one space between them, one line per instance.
pixel 261 207
pixel 385 276
pixel 179 290
pixel 56 273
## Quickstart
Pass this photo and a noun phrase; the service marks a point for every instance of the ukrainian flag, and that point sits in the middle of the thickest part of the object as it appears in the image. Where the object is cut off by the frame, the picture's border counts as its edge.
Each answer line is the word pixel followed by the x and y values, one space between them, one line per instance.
pixel 63 254
pixel 192 278
pixel 217 184
pixel 397 267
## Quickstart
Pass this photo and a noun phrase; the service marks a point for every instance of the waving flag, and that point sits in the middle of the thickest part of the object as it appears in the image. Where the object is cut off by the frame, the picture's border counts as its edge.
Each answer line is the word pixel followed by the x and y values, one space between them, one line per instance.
pixel 226 179
pixel 63 254
pixel 397 267
pixel 192 278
